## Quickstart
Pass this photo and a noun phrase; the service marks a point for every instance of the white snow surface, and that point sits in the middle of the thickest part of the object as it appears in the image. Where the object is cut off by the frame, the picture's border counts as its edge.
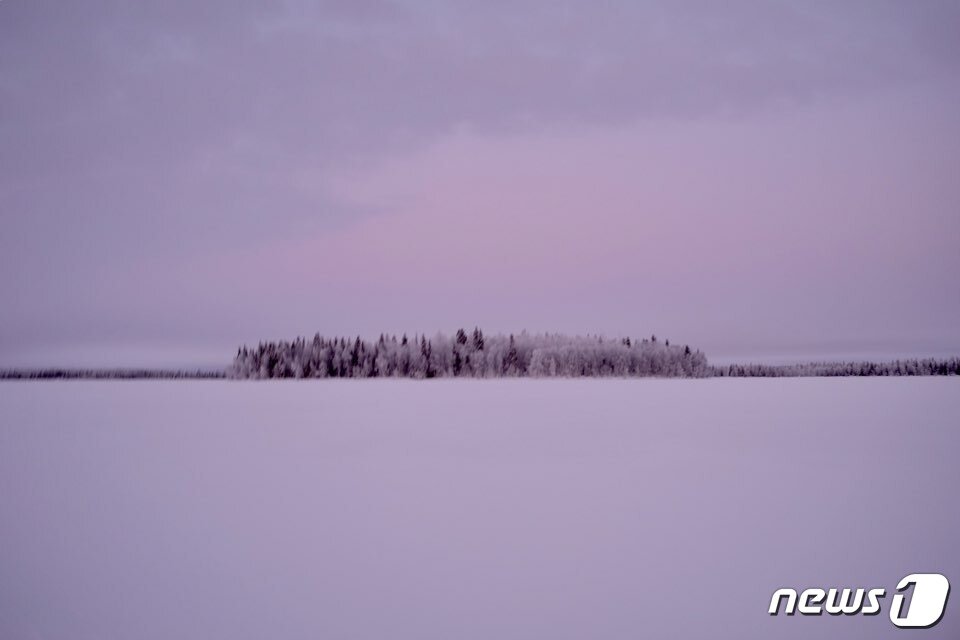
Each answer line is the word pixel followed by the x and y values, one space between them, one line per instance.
pixel 469 509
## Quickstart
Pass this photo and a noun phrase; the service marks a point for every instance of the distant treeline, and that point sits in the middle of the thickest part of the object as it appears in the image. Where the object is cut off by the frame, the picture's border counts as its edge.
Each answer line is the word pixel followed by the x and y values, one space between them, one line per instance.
pixel 914 367
pixel 475 355
pixel 472 355
pixel 113 374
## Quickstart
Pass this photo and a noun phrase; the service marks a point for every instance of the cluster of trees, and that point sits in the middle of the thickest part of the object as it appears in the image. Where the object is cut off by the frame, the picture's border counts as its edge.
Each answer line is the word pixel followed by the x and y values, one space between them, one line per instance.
pixel 122 374
pixel 467 355
pixel 475 355
pixel 914 367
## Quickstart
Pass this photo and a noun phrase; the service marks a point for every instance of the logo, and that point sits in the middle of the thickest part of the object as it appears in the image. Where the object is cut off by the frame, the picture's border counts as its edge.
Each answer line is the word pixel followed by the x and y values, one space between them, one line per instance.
pixel 927 593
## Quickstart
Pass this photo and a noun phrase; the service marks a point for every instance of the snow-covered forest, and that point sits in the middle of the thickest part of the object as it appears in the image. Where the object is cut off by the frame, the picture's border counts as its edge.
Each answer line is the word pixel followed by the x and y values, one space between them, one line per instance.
pixel 109 374
pixel 476 355
pixel 908 367
pixel 471 355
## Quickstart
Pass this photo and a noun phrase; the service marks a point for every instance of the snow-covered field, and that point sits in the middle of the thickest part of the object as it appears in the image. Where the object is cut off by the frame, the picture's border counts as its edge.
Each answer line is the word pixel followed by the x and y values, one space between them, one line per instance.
pixel 545 509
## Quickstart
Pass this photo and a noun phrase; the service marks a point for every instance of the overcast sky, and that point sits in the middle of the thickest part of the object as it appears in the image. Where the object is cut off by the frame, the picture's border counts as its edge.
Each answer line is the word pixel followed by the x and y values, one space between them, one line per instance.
pixel 765 177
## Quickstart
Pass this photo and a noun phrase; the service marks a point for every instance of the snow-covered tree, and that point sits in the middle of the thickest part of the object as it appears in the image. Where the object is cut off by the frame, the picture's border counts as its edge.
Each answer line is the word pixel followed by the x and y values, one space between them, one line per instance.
pixel 463 355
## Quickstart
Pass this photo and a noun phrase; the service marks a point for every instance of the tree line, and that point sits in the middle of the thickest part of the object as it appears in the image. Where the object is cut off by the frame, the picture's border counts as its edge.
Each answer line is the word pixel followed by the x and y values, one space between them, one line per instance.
pixel 111 374
pixel 470 355
pixel 475 355
pixel 908 367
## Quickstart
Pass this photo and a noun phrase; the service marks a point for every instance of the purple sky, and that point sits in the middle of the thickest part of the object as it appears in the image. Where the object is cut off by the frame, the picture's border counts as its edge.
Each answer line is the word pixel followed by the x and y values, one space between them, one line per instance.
pixel 747 177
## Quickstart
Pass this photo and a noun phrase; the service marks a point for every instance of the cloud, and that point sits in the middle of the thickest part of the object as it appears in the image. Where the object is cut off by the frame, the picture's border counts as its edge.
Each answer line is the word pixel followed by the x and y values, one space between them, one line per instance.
pixel 142 142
